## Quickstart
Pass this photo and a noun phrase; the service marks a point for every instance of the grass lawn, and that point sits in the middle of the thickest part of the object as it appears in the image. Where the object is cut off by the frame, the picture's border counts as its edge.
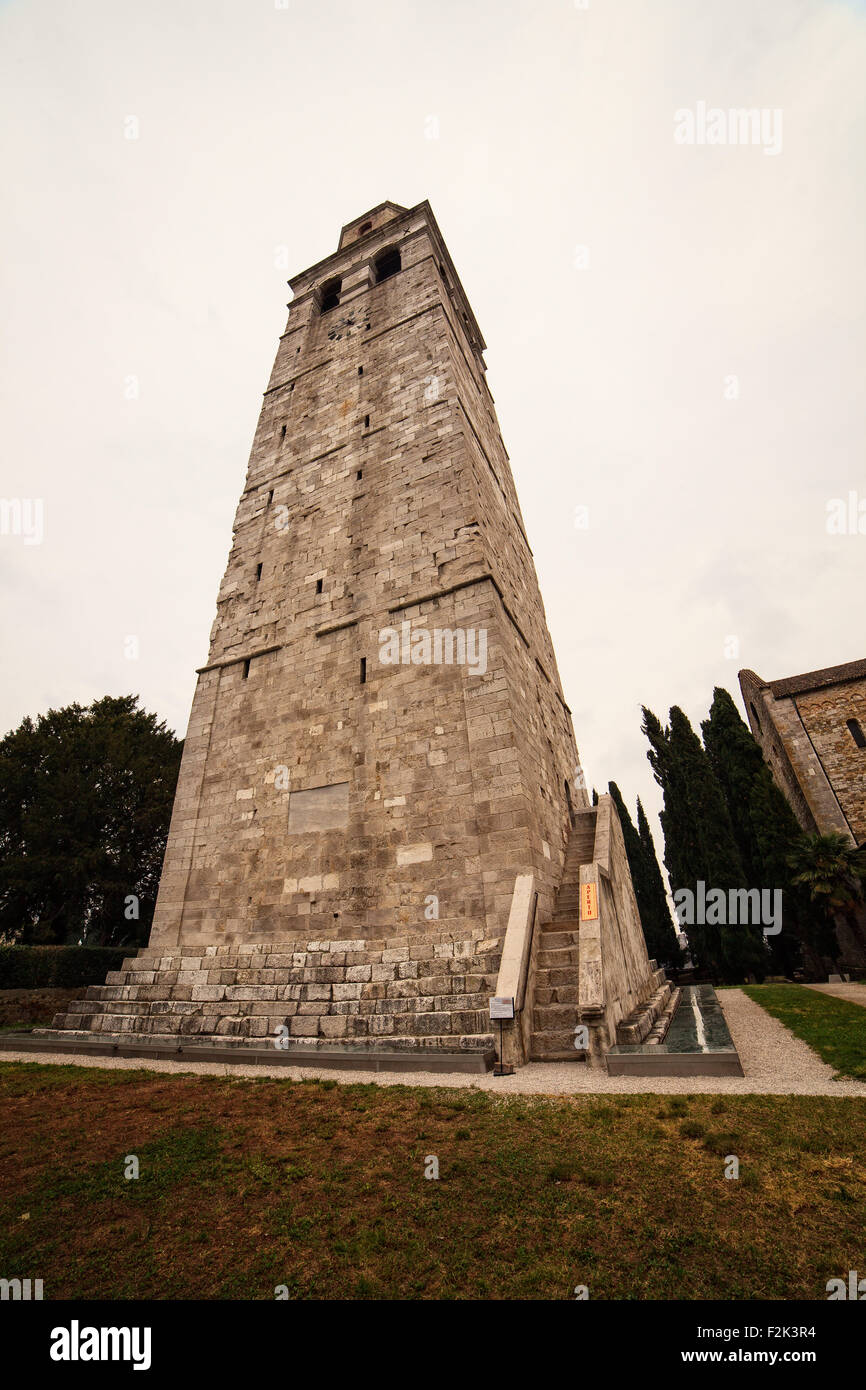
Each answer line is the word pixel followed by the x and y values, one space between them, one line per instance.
pixel 834 1028
pixel 249 1184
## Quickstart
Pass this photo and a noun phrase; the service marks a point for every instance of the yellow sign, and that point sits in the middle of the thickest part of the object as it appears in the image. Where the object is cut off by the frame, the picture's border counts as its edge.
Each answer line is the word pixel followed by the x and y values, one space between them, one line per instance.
pixel 588 902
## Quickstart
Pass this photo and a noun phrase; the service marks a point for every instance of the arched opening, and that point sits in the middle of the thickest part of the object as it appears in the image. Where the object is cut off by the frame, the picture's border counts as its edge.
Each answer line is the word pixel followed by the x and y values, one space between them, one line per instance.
pixel 330 295
pixel 855 729
pixel 364 228
pixel 387 264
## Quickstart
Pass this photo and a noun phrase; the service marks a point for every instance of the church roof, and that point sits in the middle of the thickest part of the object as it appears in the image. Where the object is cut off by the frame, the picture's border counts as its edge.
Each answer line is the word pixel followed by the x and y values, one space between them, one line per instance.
pixel 813 680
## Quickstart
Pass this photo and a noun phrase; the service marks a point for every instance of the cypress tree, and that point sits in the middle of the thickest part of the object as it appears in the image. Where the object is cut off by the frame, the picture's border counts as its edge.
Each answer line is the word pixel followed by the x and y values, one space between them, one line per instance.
pixel 766 830
pixel 678 846
pixel 700 845
pixel 659 934
pixel 736 760
pixel 681 848
pixel 663 930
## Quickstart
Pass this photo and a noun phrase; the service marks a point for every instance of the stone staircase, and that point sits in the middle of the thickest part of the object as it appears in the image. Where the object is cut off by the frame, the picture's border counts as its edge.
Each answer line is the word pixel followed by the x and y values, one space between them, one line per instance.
pixel 555 1008
pixel 406 993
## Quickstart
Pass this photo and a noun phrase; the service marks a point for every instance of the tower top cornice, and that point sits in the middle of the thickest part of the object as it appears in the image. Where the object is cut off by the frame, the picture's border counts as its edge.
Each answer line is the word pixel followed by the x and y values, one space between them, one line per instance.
pixel 357 236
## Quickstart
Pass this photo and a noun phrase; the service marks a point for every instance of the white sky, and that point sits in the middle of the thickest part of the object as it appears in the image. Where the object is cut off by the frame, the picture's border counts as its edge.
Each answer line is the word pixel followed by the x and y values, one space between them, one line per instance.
pixel 263 128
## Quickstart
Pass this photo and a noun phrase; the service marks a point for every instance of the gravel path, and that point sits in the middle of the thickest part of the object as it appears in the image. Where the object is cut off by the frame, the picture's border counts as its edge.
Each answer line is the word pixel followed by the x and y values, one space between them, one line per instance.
pixel 775 1063
pixel 853 992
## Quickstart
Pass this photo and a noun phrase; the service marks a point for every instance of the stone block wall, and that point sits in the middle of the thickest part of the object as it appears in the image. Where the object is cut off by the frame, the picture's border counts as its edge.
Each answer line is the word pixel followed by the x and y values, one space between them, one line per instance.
pixel 825 714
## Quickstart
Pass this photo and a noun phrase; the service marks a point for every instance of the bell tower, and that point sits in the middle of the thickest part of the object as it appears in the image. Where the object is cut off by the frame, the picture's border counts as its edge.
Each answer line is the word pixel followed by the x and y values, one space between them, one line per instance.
pixel 380 821
pixel 379 732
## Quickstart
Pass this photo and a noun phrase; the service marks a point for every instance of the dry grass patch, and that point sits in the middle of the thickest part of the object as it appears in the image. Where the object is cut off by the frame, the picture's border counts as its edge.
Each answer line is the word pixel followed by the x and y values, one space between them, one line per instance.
pixel 247 1184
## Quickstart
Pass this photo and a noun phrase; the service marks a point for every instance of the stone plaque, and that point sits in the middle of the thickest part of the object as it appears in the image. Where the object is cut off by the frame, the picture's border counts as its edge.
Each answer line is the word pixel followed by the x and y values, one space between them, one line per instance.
pixel 319 808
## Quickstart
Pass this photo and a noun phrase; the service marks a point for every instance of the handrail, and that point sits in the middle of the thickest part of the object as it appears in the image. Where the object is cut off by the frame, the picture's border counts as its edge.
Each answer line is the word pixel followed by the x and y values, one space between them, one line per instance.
pixel 518 1006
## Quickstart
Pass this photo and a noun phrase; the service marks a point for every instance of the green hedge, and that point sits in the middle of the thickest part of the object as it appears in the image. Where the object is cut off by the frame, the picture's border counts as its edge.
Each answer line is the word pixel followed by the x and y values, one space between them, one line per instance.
pixel 58 967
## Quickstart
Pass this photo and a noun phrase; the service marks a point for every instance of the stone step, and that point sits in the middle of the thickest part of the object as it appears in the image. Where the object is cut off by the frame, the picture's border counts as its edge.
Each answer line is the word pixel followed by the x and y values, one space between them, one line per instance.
pixel 429 945
pixel 555 940
pixel 270 1005
pixel 174 1023
pixel 562 958
pixel 423 1049
pixel 554 1046
pixel 555 994
pixel 459 992
pixel 554 1056
pixel 418 987
pixel 551 1018
pixel 581 842
pixel 549 976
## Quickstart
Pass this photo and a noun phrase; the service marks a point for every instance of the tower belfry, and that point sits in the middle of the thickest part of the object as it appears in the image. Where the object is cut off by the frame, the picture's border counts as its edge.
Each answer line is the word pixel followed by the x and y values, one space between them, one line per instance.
pixel 380 776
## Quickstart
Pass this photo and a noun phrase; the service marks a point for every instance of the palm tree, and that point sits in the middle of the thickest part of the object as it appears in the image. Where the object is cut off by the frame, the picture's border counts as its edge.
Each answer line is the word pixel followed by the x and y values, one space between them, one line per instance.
pixel 834 872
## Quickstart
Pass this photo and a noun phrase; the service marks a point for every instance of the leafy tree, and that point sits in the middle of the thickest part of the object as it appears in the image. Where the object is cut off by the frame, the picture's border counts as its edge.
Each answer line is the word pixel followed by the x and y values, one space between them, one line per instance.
pixel 85 801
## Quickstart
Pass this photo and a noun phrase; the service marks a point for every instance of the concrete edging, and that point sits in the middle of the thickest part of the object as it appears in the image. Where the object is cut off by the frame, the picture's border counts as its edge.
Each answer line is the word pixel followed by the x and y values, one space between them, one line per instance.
pixel 369 1059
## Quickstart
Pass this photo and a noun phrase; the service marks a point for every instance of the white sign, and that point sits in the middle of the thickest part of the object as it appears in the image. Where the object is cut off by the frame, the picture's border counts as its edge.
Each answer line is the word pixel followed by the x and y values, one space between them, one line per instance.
pixel 501 1008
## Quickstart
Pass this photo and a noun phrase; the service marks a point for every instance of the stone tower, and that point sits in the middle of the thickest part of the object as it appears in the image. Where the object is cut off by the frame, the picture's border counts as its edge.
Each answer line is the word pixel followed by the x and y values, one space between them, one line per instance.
pixel 323 789
pixel 380 796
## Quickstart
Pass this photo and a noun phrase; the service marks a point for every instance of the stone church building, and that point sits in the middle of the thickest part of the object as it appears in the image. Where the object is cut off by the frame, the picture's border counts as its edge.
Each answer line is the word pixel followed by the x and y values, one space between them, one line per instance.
pixel 380 819
pixel 812 732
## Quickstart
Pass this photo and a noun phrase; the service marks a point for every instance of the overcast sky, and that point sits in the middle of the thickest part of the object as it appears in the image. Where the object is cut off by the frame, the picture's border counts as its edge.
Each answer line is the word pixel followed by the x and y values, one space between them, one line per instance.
pixel 621 279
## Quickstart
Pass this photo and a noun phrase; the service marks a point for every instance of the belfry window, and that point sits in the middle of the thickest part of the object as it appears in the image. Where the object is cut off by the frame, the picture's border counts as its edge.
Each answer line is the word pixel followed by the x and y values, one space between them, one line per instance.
pixel 387 264
pixel 330 296
pixel 855 729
